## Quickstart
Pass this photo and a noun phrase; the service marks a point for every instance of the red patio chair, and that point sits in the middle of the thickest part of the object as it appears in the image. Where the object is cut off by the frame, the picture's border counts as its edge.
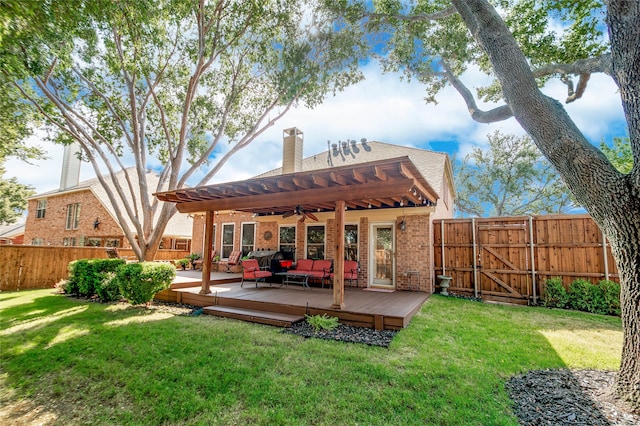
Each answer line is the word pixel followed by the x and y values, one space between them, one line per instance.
pixel 234 259
pixel 251 271
pixel 350 272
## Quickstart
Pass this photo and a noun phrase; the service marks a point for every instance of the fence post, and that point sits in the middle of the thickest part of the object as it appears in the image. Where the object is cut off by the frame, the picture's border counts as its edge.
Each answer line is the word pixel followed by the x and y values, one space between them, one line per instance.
pixel 475 257
pixel 606 257
pixel 533 262
pixel 442 242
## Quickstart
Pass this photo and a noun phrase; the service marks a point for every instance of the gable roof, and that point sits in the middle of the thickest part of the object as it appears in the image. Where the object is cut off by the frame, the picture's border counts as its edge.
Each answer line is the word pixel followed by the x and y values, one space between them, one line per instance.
pixel 432 165
pixel 180 225
pixel 12 230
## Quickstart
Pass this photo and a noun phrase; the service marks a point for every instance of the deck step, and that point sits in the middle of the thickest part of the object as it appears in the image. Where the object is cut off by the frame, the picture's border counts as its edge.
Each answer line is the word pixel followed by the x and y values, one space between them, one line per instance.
pixel 251 315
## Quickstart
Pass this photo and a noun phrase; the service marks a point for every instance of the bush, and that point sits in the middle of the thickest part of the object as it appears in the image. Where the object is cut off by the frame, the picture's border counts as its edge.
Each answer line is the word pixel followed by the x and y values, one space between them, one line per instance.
pixel 322 322
pixel 580 295
pixel 139 282
pixel 603 298
pixel 109 290
pixel 86 275
pixel 611 295
pixel 555 295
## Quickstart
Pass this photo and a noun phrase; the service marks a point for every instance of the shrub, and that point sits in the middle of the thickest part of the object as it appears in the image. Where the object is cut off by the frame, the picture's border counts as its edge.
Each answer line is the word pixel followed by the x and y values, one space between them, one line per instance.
pixel 580 295
pixel 109 290
pixel 139 282
pixel 611 295
pixel 322 322
pixel 555 295
pixel 182 262
pixel 86 275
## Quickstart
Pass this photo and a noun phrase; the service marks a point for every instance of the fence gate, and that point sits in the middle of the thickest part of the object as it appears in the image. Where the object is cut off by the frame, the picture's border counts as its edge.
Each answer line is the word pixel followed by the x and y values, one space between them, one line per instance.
pixel 503 271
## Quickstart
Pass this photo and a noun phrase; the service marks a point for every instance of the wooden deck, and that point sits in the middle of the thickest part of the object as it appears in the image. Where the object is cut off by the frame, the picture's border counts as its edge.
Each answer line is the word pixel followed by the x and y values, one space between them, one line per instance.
pixel 364 308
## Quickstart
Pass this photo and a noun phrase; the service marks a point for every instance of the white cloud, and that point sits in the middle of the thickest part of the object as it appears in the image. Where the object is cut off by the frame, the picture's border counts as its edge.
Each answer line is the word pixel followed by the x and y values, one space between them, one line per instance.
pixel 380 108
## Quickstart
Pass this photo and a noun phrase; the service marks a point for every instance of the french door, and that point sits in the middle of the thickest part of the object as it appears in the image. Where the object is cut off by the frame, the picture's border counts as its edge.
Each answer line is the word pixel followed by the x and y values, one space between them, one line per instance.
pixel 382 255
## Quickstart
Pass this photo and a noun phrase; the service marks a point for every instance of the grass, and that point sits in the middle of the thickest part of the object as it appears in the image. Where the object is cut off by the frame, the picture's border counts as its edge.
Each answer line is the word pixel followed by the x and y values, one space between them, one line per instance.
pixel 77 363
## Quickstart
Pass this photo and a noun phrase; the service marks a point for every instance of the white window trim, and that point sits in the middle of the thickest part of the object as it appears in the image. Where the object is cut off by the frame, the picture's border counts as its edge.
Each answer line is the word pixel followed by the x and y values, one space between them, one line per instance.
pixel 255 228
pixel 222 238
pixel 306 237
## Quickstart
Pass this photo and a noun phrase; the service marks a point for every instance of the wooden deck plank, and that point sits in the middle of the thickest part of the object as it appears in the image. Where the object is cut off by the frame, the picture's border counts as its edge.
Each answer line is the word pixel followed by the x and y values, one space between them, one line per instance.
pixel 252 315
pixel 393 310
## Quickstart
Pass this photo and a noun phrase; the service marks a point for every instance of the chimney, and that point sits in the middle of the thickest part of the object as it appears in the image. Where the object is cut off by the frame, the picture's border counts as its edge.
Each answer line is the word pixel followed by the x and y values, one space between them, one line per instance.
pixel 70 166
pixel 292 150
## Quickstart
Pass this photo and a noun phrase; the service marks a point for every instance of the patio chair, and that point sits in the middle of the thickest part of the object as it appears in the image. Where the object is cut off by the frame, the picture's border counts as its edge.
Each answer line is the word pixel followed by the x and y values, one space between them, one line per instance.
pixel 234 259
pixel 350 272
pixel 251 271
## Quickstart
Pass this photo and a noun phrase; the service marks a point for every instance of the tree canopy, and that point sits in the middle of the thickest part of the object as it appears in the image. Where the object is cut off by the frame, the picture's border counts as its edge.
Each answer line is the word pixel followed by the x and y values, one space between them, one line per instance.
pixel 619 153
pixel 509 178
pixel 162 84
pixel 521 44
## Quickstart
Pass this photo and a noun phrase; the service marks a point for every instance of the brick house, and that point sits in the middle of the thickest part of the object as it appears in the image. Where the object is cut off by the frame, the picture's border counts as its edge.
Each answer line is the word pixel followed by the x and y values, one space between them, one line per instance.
pixel 12 234
pixel 80 214
pixel 392 194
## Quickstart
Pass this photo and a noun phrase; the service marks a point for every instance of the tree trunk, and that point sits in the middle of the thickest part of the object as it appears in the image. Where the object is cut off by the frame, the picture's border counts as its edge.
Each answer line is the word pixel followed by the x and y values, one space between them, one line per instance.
pixel 612 199
pixel 625 245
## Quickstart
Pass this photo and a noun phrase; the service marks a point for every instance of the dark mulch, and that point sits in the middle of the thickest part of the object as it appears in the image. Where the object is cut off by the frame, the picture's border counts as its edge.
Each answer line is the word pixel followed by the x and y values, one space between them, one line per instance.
pixel 344 333
pixel 565 397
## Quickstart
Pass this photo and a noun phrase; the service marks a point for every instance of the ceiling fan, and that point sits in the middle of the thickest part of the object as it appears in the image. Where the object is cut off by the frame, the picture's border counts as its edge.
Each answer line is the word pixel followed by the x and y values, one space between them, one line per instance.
pixel 300 212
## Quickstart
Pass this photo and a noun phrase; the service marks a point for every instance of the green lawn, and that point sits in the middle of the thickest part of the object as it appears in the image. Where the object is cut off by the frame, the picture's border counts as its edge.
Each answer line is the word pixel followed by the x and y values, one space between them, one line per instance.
pixel 88 363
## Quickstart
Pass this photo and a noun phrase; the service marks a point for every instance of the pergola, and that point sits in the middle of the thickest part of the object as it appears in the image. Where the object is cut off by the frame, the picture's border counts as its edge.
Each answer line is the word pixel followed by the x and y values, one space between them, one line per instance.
pixel 390 183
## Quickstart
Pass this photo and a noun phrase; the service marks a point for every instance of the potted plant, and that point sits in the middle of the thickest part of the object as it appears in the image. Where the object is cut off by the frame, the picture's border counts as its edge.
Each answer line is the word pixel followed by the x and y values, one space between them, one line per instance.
pixel 183 263
pixel 192 258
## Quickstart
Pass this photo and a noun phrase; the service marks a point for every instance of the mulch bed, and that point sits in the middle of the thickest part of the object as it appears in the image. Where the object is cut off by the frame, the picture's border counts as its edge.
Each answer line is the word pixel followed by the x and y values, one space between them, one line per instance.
pixel 344 333
pixel 566 397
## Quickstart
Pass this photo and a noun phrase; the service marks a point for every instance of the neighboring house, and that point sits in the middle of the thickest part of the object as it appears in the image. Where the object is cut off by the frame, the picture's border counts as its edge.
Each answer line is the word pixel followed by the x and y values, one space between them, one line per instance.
pixel 392 194
pixel 12 234
pixel 80 214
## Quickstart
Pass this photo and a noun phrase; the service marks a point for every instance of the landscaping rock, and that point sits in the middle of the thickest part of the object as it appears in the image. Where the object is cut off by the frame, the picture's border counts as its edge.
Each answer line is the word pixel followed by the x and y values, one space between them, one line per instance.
pixel 344 333
pixel 565 397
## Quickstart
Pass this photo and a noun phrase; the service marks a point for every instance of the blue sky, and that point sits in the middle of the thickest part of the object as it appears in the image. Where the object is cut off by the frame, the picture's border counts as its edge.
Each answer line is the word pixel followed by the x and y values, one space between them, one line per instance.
pixel 381 108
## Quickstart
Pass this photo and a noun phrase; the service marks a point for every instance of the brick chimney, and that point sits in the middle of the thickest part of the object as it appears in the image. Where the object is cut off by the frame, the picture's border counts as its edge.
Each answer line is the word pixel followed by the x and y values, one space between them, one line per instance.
pixel 292 150
pixel 70 167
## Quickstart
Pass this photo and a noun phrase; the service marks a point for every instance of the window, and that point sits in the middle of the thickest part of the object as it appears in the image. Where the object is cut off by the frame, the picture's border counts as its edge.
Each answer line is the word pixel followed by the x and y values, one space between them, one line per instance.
pixel 248 238
pixel 315 242
pixel 351 242
pixel 182 244
pixel 112 242
pixel 227 239
pixel 288 241
pixel 93 242
pixel 73 215
pixel 69 241
pixel 37 241
pixel 41 209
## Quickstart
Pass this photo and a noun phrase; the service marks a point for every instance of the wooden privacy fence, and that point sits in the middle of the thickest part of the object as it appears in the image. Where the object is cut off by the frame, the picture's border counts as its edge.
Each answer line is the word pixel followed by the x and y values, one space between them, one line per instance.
pixel 29 267
pixel 509 258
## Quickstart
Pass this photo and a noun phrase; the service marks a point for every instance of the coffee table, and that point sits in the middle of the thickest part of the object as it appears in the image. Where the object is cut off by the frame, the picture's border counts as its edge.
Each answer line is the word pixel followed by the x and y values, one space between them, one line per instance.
pixel 294 278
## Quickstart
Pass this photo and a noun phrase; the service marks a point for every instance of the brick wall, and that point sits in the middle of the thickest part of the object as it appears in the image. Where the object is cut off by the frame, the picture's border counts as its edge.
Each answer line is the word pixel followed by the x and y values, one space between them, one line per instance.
pixel 52 228
pixel 414 247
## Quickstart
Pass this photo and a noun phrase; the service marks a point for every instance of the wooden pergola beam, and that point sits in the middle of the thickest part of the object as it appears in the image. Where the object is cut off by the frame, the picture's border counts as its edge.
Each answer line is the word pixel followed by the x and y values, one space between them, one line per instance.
pixel 392 188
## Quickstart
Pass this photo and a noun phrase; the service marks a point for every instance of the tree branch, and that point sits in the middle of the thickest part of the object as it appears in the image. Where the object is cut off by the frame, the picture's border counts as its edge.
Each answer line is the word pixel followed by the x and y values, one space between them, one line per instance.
pixel 500 113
